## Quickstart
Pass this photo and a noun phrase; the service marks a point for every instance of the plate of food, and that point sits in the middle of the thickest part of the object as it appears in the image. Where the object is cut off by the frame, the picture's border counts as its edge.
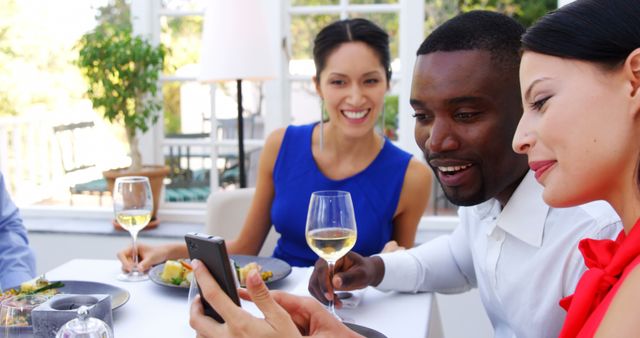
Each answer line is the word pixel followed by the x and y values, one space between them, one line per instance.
pixel 42 286
pixel 271 269
pixel 178 273
pixel 31 294
pixel 172 273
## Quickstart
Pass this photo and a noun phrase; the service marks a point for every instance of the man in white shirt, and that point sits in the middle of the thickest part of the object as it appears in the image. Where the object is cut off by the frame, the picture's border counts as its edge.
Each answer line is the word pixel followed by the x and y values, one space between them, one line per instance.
pixel 521 254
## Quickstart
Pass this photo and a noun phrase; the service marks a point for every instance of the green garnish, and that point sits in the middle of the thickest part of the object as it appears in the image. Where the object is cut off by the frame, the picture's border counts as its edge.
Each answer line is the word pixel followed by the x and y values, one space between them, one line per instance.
pixel 54 285
pixel 176 281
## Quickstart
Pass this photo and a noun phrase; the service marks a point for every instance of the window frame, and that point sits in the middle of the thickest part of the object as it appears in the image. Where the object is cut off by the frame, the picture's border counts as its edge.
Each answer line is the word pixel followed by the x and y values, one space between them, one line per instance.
pixel 146 21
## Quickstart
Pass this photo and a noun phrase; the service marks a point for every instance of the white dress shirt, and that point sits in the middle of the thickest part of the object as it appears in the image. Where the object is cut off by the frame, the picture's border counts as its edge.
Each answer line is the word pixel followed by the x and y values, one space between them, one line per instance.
pixel 523 260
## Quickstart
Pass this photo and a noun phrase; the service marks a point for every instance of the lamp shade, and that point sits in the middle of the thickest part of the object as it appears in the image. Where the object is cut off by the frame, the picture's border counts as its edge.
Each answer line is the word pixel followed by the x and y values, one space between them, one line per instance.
pixel 237 41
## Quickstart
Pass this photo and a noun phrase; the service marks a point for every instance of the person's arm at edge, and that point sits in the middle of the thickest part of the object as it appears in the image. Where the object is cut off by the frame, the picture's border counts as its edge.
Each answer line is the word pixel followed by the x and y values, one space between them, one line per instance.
pixel 17 260
pixel 414 199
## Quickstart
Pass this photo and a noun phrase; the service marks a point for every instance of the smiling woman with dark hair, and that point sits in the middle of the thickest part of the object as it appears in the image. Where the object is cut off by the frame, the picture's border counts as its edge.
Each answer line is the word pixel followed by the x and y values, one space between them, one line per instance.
pixel 390 189
pixel 580 78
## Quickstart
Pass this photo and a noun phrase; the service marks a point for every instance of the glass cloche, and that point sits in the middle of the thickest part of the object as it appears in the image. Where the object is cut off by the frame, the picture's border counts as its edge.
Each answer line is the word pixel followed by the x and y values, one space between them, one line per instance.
pixel 85 327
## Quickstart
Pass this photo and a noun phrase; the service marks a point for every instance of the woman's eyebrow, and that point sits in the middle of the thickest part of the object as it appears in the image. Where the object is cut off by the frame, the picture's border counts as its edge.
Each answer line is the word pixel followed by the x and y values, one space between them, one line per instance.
pixel 533 84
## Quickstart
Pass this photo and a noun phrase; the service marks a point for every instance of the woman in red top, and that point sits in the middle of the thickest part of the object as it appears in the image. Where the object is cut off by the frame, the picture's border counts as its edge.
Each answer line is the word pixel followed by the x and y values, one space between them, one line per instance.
pixel 580 82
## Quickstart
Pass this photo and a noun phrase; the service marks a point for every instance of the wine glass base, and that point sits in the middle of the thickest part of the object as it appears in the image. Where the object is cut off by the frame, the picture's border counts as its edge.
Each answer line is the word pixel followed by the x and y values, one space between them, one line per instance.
pixel 342 318
pixel 347 320
pixel 132 277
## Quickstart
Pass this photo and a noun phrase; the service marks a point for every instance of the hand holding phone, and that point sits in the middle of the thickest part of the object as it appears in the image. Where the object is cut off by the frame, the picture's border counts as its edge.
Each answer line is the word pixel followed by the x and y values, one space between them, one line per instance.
pixel 212 252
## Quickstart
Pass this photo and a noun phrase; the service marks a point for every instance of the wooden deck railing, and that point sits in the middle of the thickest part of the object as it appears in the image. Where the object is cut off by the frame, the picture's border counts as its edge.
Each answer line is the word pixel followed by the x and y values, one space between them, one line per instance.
pixel 27 158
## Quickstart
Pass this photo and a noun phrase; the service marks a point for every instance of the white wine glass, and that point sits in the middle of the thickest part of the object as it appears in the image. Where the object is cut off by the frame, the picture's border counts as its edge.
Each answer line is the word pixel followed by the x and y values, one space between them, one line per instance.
pixel 331 229
pixel 132 205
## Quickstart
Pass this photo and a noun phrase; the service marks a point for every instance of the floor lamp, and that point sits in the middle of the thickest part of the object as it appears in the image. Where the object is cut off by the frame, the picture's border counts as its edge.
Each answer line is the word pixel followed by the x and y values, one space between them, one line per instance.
pixel 236 45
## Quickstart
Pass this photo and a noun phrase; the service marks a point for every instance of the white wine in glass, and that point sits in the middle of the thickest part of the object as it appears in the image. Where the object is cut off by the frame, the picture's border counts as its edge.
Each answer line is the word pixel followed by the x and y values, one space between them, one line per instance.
pixel 133 205
pixel 331 243
pixel 331 228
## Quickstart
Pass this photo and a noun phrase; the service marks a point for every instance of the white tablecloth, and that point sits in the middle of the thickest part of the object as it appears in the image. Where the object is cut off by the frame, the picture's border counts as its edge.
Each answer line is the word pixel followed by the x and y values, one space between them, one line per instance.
pixel 159 311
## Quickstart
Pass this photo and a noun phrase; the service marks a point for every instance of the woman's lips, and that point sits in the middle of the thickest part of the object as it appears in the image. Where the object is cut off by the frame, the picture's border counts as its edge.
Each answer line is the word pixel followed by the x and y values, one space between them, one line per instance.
pixel 540 167
pixel 356 116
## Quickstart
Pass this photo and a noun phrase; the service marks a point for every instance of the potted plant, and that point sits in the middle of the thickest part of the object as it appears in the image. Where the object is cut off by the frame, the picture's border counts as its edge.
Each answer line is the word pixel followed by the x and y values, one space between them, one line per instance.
pixel 122 72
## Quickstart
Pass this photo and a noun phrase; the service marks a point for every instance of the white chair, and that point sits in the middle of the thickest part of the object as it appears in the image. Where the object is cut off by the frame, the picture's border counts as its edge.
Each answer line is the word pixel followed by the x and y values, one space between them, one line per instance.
pixel 226 213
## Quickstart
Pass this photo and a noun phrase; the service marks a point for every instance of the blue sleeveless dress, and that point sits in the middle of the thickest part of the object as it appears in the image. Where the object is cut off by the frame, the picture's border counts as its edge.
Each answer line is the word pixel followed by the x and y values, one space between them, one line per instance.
pixel 375 192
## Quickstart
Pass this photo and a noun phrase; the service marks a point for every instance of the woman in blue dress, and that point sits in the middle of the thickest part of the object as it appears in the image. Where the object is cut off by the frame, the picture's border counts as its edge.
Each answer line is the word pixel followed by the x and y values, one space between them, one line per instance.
pixel 389 189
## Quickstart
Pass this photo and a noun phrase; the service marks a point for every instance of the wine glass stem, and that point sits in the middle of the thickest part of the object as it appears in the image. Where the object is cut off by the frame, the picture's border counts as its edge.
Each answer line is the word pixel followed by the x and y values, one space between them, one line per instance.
pixel 331 305
pixel 134 238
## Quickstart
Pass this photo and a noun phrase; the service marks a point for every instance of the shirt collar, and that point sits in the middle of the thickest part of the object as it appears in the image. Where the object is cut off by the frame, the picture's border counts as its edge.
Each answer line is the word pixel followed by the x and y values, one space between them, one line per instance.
pixel 525 213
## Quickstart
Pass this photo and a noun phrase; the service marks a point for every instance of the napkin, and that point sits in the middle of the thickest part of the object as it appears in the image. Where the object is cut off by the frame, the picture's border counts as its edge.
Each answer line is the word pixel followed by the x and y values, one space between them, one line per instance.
pixel 350 299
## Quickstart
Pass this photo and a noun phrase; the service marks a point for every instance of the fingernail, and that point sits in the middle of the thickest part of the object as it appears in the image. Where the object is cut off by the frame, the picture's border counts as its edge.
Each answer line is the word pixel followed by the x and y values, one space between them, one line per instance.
pixel 195 264
pixel 253 277
pixel 337 282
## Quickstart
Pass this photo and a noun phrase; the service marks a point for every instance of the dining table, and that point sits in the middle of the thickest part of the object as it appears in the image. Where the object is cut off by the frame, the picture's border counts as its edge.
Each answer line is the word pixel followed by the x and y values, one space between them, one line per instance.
pixel 154 310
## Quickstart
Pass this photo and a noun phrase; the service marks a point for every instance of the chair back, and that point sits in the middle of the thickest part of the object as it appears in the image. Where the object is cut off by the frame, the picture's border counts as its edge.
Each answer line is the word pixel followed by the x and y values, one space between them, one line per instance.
pixel 226 213
pixel 75 152
pixel 79 158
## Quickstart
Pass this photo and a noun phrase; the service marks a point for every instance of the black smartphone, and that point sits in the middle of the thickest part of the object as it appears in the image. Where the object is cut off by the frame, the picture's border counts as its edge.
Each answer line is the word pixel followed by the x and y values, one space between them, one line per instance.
pixel 212 251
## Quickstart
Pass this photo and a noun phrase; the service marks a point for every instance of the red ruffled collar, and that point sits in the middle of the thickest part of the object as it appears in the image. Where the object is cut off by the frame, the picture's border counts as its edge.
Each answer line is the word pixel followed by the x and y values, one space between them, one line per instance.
pixel 606 260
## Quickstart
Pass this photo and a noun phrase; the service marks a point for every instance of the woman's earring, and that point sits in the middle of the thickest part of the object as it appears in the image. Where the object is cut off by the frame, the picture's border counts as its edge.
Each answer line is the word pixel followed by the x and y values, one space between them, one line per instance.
pixel 384 132
pixel 323 112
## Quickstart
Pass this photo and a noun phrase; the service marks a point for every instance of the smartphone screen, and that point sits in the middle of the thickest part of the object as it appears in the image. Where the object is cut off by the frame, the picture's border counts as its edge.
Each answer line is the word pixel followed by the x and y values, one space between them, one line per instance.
pixel 212 251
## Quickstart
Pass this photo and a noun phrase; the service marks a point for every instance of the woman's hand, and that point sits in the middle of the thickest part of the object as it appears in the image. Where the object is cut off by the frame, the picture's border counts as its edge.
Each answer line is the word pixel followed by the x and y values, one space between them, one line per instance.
pixel 392 246
pixel 149 256
pixel 285 315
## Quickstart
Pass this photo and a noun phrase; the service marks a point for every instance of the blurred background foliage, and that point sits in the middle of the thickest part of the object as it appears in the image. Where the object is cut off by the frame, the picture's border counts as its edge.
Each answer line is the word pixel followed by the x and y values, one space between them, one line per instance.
pixel 36 71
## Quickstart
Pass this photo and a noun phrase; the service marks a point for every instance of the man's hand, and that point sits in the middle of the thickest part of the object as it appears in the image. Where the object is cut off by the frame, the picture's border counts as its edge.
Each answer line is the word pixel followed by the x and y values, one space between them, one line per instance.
pixel 285 315
pixel 351 272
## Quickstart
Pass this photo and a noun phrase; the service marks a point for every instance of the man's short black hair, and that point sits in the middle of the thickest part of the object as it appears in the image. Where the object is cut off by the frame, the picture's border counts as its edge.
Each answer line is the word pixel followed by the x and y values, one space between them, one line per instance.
pixel 478 30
